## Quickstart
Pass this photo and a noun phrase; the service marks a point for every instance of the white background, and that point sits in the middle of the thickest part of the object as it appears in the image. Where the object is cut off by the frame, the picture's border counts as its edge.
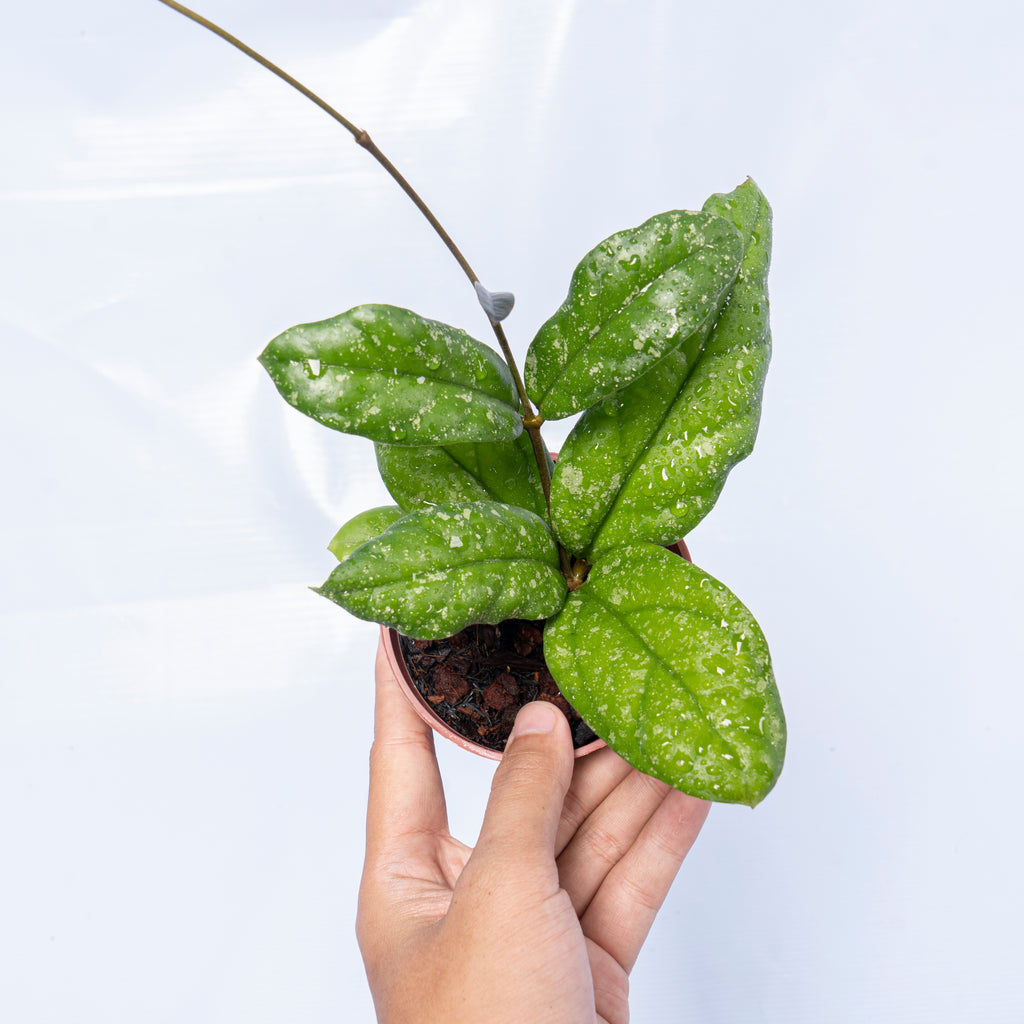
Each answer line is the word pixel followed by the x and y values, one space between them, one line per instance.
pixel 184 726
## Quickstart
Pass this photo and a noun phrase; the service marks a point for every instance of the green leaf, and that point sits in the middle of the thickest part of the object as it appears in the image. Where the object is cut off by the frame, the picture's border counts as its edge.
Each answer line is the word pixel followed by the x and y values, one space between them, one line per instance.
pixel 363 527
pixel 673 672
pixel 633 300
pixel 390 375
pixel 649 462
pixel 486 471
pixel 438 570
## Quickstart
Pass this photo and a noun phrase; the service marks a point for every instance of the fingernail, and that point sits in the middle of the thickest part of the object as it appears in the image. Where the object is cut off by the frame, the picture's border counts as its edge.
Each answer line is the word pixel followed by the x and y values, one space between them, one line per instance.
pixel 535 718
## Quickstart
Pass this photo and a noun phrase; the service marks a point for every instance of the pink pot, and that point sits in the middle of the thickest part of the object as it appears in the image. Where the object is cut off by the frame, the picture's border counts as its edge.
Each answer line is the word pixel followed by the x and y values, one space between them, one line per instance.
pixel 393 651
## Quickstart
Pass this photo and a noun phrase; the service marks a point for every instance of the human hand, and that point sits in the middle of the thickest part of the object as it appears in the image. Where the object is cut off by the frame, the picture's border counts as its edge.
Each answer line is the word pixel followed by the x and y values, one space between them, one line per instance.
pixel 544 920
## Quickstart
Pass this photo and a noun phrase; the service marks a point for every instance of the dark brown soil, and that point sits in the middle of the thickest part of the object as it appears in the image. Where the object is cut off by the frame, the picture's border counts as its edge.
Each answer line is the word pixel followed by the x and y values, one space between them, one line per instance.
pixel 478 679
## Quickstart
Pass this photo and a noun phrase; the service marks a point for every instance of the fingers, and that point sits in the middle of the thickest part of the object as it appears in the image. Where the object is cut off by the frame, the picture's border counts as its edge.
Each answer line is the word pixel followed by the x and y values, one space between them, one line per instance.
pixel 593 778
pixel 607 834
pixel 519 827
pixel 406 793
pixel 624 907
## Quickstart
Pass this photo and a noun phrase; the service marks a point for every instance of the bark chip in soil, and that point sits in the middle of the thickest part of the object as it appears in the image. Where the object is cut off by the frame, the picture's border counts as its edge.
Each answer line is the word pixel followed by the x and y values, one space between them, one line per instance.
pixel 478 679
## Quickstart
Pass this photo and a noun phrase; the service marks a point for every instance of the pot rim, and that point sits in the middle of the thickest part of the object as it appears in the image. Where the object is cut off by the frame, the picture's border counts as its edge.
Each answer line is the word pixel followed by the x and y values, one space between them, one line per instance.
pixel 393 652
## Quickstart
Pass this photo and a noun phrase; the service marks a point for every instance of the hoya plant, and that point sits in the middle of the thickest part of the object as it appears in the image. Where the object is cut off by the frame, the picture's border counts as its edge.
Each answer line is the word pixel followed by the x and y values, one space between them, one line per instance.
pixel 661 348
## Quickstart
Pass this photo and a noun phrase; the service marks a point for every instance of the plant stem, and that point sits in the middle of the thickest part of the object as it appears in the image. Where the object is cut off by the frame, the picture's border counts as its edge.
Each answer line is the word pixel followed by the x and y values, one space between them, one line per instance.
pixel 531 421
pixel 362 137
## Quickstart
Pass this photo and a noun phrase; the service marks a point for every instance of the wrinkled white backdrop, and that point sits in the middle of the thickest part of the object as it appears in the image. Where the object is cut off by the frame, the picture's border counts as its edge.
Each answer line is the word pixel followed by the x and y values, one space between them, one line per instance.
pixel 184 726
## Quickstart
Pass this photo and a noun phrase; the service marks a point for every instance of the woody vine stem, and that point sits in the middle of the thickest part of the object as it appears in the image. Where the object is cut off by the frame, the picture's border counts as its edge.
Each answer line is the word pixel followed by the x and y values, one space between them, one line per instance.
pixel 574 574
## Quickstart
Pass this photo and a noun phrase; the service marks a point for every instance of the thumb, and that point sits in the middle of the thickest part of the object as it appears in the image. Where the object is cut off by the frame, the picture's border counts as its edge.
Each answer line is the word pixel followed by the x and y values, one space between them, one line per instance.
pixel 529 787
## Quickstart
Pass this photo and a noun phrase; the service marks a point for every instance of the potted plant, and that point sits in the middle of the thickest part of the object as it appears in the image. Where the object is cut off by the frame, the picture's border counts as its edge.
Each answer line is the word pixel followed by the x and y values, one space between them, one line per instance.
pixel 661 346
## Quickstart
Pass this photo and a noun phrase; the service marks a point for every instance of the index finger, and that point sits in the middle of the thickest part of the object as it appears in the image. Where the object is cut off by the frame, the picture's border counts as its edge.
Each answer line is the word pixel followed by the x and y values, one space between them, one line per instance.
pixel 406 792
pixel 622 911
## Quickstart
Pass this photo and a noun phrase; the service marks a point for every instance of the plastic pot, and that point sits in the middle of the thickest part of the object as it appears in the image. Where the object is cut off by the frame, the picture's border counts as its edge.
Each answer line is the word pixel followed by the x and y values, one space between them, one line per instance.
pixel 396 659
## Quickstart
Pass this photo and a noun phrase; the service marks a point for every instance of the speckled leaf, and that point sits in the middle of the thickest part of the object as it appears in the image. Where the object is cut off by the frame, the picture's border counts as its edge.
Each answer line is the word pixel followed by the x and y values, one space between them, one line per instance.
pixel 633 300
pixel 363 527
pixel 673 672
pixel 393 376
pixel 437 570
pixel 649 462
pixel 487 471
